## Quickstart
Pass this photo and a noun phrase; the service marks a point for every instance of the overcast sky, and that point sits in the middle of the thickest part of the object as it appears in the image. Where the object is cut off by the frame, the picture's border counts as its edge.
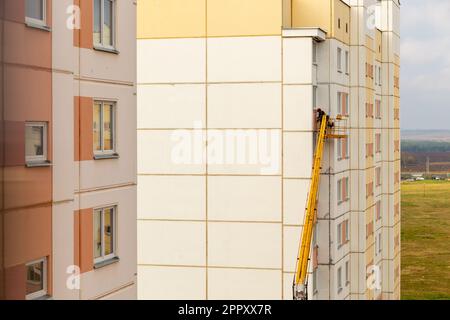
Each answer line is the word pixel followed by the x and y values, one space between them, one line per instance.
pixel 425 64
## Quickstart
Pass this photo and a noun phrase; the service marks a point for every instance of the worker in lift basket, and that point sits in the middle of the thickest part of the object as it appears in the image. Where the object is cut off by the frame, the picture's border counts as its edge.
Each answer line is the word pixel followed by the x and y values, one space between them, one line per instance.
pixel 320 114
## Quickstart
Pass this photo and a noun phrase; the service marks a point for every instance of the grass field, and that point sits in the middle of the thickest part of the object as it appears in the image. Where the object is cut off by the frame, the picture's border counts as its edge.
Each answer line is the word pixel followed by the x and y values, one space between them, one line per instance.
pixel 425 240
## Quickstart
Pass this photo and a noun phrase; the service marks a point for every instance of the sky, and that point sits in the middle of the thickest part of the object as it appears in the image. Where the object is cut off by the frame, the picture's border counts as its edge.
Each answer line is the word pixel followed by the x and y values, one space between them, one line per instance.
pixel 425 64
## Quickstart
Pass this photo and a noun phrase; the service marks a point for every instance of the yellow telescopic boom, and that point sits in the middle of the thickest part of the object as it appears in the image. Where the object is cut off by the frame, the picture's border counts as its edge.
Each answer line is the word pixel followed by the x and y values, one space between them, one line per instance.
pixel 300 289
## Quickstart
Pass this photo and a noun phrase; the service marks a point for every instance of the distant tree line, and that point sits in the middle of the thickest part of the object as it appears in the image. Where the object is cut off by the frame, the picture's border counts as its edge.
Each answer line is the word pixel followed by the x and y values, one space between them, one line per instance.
pixel 425 146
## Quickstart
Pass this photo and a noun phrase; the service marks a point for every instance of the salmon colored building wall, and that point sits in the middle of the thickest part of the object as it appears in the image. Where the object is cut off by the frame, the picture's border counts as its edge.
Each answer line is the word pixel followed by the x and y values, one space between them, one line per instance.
pixel 83 38
pixel 84 140
pixel 27 210
pixel 83 240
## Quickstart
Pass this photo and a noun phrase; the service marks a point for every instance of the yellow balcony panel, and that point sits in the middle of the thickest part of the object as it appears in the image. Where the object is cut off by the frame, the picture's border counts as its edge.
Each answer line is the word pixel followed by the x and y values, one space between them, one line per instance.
pixel 244 18
pixel 333 16
pixel 171 19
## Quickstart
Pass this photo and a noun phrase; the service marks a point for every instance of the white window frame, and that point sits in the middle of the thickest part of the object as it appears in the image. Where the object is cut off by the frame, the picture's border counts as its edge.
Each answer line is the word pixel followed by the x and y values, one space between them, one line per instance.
pixel 339 279
pixel 347 232
pixel 315 97
pixel 339 193
pixel 339 149
pixel 347 273
pixel 339 235
pixel 113 123
pixel 44 157
pixel 104 257
pixel 314 278
pixel 38 22
pixel 379 76
pixel 380 243
pixel 43 292
pixel 102 24
pixel 347 62
pixel 339 59
pixel 314 52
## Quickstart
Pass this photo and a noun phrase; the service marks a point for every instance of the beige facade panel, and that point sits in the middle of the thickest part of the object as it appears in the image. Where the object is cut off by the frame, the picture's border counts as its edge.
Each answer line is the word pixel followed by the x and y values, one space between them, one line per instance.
pixel 171 243
pixel 244 198
pixel 235 105
pixel 171 106
pixel 167 283
pixel 170 152
pixel 245 245
pixel 244 59
pixel 294 200
pixel 171 61
pixel 296 146
pixel 172 197
pixel 244 284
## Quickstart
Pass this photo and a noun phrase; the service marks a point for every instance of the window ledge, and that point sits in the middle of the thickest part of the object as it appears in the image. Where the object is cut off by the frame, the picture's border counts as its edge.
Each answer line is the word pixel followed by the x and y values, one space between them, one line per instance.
pixel 106 156
pixel 38 164
pixel 104 49
pixel 105 263
pixel 34 25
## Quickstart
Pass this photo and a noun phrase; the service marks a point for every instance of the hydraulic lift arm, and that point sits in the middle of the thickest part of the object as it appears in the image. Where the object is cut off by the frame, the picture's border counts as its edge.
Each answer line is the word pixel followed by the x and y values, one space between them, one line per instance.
pixel 300 280
pixel 328 130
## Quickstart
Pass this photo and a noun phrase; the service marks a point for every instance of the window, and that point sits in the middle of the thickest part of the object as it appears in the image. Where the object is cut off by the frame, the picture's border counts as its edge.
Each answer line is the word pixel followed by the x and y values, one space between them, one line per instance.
pixel 36 283
pixel 397 177
pixel 378 142
pixel 396 82
pixel 35 142
pixel 339 59
pixel 314 97
pixel 105 221
pixel 104 23
pixel 347 62
pixel 314 276
pixel 378 210
pixel 378 176
pixel 379 243
pixel 339 279
pixel 342 233
pixel 379 76
pixel 397 145
pixel 342 148
pixel 369 229
pixel 369 110
pixel 339 23
pixel 343 103
pixel 342 186
pixel 346 27
pixel 376 75
pixel 369 150
pixel 369 188
pixel 378 109
pixel 35 11
pixel 104 127
pixel 314 239
pixel 314 53
pixel 347 273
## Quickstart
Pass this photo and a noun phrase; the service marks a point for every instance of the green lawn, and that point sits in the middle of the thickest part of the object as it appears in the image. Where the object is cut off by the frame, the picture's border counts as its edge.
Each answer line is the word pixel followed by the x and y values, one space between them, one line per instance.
pixel 425 240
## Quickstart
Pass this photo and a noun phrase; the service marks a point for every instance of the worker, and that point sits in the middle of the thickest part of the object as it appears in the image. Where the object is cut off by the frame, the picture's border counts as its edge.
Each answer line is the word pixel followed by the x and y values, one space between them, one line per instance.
pixel 320 114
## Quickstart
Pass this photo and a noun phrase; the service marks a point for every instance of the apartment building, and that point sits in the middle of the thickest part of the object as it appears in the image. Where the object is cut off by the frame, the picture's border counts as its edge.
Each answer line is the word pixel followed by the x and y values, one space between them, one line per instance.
pixel 68 211
pixel 212 225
